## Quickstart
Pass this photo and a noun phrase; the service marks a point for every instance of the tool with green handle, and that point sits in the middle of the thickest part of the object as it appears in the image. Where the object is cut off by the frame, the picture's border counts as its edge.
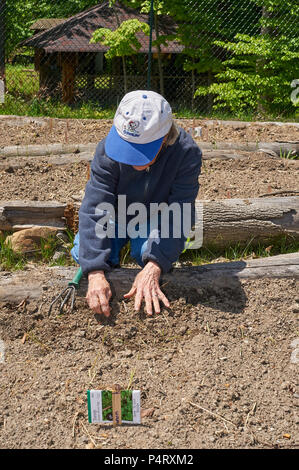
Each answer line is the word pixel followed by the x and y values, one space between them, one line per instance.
pixel 68 293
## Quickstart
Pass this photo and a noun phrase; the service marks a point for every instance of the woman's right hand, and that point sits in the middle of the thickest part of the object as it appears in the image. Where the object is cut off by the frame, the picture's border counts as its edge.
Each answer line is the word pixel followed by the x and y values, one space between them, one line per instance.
pixel 98 293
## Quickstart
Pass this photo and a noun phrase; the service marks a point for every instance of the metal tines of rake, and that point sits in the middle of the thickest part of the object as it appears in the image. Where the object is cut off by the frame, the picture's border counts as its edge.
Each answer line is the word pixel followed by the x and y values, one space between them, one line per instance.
pixel 68 294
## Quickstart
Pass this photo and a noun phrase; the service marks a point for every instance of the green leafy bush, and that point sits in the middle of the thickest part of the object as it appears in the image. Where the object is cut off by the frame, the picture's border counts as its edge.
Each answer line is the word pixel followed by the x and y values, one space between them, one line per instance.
pixel 257 77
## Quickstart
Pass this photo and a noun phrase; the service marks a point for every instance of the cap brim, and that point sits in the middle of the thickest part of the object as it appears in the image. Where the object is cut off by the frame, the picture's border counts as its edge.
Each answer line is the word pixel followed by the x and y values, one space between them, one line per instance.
pixel 131 154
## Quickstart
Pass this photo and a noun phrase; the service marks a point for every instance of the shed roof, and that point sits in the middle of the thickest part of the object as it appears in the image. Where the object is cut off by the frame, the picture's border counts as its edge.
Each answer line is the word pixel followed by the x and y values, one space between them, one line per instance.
pixel 74 34
pixel 46 23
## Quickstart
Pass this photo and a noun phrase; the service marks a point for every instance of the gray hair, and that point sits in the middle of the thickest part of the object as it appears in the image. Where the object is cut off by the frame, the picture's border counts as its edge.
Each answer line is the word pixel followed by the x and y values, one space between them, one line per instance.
pixel 172 135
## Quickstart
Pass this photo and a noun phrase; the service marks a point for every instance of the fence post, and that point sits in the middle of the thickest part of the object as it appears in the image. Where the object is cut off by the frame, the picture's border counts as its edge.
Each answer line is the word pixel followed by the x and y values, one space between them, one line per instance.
pixel 2 38
pixel 149 69
pixel 2 49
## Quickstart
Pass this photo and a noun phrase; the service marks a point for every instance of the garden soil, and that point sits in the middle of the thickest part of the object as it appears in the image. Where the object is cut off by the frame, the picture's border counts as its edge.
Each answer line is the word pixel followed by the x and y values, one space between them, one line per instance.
pixel 217 370
pixel 84 131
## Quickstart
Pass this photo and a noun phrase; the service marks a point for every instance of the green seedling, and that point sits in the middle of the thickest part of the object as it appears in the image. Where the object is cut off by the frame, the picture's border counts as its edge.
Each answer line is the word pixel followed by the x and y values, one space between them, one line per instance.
pixel 288 155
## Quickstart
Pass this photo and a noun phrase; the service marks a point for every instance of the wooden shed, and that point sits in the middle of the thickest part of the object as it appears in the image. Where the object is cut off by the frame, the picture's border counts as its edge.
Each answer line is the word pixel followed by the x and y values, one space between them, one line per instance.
pixel 70 65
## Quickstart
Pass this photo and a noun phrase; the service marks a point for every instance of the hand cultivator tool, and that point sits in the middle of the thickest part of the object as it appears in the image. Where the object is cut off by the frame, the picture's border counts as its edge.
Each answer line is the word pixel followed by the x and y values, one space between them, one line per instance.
pixel 68 293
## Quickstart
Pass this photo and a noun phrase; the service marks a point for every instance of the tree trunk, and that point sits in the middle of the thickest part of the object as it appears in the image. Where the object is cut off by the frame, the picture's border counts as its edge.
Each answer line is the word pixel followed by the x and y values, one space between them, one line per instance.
pixel 261 65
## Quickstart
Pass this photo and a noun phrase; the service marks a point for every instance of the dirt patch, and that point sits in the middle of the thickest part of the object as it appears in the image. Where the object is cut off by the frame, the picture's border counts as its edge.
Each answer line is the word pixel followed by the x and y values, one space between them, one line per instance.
pixel 40 180
pixel 250 177
pixel 216 368
pixel 84 131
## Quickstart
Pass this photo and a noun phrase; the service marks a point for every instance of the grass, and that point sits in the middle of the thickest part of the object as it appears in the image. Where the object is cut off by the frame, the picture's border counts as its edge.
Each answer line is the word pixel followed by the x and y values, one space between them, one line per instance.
pixel 21 80
pixel 288 155
pixel 50 108
pixel 22 99
pixel 20 104
pixel 238 251
pixel 11 261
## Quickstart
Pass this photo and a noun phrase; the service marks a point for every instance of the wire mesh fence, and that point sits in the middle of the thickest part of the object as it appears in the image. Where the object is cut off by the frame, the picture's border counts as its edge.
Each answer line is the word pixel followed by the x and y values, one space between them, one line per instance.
pixel 231 57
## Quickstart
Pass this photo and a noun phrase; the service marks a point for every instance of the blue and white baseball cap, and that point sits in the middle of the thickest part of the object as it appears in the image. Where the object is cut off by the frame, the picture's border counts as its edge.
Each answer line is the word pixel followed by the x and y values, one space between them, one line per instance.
pixel 142 120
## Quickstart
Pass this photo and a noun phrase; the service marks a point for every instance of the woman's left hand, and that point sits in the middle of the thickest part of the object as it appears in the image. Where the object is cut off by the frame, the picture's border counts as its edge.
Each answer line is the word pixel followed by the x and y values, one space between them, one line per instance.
pixel 146 286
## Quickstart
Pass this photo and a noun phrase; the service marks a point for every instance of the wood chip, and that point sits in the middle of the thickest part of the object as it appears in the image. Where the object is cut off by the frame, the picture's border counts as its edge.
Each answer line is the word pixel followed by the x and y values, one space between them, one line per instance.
pixel 147 413
pixel 24 338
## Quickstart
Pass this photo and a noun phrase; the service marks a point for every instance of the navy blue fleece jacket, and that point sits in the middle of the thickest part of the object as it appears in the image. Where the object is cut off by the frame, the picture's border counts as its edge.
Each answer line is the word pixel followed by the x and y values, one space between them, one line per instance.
pixel 173 177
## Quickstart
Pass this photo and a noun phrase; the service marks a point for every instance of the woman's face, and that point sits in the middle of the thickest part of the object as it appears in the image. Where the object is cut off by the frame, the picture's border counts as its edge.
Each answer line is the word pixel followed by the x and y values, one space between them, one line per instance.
pixel 143 167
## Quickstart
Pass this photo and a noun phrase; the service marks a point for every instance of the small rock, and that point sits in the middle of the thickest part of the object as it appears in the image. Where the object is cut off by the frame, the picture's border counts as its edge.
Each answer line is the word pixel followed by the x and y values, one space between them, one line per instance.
pixel 62 236
pixel 183 330
pixel 57 255
pixel 295 308
pixel 130 332
pixel 83 440
pixel 9 169
pixel 81 333
pixel 126 353
pixel 29 238
pixel 31 309
pixel 90 445
pixel 148 356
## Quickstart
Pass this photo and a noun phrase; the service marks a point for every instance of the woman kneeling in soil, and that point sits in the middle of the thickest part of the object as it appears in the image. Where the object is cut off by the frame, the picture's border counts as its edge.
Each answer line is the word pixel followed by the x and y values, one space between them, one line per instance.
pixel 144 161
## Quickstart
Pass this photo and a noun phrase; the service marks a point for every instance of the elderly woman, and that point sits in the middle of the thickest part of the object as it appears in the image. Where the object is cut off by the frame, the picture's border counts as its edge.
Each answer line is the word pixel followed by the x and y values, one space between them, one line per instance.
pixel 144 159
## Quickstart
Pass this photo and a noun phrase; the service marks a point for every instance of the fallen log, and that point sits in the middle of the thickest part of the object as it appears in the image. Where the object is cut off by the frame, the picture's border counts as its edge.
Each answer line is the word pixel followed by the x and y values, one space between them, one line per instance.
pixel 18 215
pixel 280 149
pixel 222 222
pixel 244 124
pixel 42 150
pixel 242 220
pixel 14 287
pixel 206 122
pixel 45 149
pixel 195 277
pixel 72 158
pixel 54 160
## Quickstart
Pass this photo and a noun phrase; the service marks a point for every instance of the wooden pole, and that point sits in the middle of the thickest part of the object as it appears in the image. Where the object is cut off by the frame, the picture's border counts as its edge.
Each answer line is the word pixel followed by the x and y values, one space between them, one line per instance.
pixel 116 405
pixel 149 70
pixel 2 39
pixel 68 78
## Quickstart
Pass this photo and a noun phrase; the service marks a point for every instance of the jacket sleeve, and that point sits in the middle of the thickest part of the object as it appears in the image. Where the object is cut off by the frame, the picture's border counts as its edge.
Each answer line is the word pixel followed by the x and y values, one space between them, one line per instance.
pixel 166 250
pixel 101 188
